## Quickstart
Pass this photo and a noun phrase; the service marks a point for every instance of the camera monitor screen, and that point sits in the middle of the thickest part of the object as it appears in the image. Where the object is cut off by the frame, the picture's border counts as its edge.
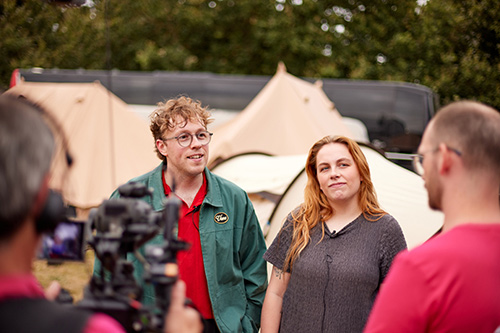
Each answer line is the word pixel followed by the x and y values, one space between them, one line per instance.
pixel 66 243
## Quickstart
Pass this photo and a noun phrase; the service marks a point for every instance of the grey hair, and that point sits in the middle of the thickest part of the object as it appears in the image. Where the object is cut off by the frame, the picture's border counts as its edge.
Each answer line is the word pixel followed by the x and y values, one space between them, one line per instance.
pixel 26 148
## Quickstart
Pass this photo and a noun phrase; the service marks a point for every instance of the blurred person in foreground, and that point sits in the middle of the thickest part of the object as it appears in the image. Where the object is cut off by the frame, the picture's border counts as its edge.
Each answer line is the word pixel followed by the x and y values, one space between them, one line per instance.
pixel 451 283
pixel 224 271
pixel 27 147
pixel 334 251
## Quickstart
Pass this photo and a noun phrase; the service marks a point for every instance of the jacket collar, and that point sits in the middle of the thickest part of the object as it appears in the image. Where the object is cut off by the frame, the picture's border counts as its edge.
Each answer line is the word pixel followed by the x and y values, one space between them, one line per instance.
pixel 213 196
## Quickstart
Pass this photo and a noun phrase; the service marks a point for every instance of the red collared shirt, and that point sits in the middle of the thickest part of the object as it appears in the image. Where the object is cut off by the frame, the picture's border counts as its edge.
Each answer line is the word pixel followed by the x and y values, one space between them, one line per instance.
pixel 191 268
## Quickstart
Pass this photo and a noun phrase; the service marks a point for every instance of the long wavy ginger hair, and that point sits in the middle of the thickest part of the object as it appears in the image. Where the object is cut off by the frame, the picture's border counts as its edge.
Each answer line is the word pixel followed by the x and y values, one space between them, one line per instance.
pixel 316 207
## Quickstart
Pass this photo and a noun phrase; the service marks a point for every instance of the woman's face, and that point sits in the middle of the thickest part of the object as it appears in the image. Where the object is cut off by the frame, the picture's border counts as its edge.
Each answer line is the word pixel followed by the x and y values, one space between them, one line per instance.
pixel 337 174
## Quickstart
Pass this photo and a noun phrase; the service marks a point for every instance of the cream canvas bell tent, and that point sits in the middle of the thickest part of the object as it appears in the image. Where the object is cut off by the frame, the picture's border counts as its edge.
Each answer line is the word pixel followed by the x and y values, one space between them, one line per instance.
pixel 108 142
pixel 286 117
pixel 264 148
pixel 265 178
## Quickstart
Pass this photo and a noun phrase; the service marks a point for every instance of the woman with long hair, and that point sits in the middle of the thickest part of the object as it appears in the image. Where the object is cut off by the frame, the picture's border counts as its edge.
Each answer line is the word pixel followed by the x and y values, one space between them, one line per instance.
pixel 333 251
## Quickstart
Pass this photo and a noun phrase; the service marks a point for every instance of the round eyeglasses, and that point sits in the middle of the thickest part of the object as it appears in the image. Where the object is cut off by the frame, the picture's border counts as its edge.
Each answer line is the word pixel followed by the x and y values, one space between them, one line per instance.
pixel 185 139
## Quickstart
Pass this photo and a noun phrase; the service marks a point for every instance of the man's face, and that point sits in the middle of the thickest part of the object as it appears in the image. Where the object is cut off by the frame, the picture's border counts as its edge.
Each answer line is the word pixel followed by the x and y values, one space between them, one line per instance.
pixel 431 177
pixel 187 161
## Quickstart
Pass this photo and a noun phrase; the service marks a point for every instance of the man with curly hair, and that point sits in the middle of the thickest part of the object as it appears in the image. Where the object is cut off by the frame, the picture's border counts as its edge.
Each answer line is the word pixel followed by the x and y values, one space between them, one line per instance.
pixel 224 270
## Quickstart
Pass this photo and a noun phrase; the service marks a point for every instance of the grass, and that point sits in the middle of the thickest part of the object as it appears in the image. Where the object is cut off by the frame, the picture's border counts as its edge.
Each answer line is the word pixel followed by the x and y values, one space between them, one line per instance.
pixel 73 276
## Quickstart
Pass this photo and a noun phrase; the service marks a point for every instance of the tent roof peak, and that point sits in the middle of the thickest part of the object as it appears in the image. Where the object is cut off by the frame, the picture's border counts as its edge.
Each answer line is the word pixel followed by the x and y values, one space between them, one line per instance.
pixel 281 67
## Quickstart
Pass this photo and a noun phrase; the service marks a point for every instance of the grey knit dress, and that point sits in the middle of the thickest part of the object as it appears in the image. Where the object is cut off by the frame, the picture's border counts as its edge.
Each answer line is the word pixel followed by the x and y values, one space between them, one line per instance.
pixel 334 282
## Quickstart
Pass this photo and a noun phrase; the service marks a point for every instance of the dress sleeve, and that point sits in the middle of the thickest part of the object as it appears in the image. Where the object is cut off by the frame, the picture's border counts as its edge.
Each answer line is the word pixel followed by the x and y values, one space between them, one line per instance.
pixel 276 254
pixel 392 242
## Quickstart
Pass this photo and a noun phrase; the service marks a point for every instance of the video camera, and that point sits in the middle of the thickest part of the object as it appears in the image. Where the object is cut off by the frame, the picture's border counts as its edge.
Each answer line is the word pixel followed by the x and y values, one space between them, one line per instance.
pixel 117 228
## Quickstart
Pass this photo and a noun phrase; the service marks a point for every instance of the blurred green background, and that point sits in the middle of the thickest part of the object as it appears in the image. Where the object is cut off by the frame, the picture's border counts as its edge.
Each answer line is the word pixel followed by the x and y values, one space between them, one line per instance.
pixel 451 46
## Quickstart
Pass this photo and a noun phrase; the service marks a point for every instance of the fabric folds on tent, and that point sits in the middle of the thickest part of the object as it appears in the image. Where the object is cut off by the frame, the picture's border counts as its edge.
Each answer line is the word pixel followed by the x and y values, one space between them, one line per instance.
pixel 108 142
pixel 286 117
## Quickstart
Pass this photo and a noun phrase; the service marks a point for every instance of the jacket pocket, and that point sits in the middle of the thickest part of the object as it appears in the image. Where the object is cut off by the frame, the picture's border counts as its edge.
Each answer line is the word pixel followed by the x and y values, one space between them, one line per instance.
pixel 232 306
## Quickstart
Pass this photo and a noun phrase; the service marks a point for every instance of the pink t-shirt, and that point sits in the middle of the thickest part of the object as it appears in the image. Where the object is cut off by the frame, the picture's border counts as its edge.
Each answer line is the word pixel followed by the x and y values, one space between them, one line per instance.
pixel 449 284
pixel 21 286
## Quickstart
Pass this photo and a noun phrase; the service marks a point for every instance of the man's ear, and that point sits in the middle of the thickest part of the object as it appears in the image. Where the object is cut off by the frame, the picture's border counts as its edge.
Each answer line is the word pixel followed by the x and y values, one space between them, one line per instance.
pixel 445 160
pixel 162 147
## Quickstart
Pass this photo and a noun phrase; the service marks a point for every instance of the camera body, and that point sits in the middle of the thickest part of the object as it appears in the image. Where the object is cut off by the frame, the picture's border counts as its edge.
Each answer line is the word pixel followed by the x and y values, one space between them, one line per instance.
pixel 119 228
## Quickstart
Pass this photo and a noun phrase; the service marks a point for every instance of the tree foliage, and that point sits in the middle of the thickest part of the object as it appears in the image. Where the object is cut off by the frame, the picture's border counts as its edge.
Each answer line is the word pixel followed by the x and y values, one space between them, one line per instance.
pixel 451 46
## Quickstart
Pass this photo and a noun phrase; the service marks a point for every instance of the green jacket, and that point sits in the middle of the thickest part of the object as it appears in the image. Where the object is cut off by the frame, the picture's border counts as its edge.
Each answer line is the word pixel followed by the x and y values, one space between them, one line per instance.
pixel 232 250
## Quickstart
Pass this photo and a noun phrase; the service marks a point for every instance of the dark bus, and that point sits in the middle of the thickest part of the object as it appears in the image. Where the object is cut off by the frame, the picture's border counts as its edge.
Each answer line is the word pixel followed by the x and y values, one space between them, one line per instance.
pixel 394 113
